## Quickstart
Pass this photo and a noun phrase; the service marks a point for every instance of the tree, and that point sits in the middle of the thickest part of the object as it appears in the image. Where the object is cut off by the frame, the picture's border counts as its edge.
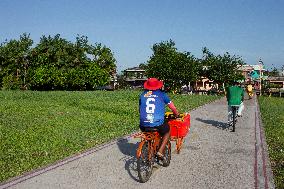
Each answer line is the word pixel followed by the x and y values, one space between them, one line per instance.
pixel 13 62
pixel 174 68
pixel 274 72
pixel 143 66
pixel 221 69
pixel 60 64
pixel 55 63
pixel 103 57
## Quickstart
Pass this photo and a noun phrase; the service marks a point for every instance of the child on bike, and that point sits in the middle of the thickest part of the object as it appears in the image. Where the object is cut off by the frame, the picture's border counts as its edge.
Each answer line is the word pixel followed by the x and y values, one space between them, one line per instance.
pixel 235 97
pixel 152 103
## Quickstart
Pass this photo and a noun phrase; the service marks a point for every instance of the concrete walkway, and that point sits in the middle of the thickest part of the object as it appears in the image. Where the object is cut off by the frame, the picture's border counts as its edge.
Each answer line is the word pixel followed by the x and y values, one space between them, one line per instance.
pixel 212 157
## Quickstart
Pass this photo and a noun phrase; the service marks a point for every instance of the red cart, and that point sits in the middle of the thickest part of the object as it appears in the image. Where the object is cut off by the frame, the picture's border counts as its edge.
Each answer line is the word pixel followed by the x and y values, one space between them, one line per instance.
pixel 179 128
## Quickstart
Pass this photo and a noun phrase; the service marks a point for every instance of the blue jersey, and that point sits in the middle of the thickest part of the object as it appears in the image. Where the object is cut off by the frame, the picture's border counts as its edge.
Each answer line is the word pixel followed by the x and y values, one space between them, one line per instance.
pixel 152 108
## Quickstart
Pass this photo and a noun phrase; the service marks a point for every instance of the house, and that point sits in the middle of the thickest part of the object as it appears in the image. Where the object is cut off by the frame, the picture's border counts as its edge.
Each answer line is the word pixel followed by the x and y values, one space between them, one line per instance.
pixel 252 73
pixel 276 80
pixel 135 77
pixel 205 84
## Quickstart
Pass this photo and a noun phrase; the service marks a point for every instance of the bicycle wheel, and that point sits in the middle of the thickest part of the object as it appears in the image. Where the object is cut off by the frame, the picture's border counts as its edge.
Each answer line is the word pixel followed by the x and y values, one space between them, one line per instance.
pixel 167 155
pixel 145 163
pixel 234 118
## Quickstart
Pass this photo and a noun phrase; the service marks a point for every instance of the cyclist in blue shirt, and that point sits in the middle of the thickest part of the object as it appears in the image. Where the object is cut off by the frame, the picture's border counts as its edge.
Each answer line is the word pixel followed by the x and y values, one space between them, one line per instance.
pixel 152 103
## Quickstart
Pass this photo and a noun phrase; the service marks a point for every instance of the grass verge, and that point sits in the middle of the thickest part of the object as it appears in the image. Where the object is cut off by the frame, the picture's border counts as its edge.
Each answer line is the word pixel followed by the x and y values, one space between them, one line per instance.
pixel 39 128
pixel 272 113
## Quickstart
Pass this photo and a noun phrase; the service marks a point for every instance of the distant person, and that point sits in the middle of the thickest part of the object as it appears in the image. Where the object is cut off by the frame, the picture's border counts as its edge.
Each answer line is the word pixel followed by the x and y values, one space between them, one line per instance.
pixel 235 97
pixel 152 103
pixel 250 91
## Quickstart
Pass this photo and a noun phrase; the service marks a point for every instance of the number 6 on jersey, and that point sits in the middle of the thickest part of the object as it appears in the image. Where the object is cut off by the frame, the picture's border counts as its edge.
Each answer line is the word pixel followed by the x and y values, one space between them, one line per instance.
pixel 150 108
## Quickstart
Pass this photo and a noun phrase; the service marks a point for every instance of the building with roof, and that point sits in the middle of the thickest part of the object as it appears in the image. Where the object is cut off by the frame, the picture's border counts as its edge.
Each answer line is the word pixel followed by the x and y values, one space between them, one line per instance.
pixel 135 77
pixel 252 72
pixel 277 81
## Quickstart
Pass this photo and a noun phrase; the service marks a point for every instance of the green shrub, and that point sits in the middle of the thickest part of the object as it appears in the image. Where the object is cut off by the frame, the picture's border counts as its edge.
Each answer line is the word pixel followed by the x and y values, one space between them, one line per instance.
pixel 10 82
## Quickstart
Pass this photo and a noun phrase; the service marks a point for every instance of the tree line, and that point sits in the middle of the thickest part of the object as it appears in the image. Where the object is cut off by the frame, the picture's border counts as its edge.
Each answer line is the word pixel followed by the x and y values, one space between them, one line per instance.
pixel 180 68
pixel 54 64
pixel 58 64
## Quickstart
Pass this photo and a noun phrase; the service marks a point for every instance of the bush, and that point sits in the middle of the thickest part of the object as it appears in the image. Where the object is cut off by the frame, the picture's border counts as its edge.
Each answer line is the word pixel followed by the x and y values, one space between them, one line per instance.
pixel 10 83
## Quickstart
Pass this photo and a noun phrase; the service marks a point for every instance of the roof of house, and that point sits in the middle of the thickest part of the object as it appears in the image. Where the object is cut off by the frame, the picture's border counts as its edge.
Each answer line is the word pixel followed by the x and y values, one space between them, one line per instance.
pixel 279 78
pixel 135 69
pixel 248 67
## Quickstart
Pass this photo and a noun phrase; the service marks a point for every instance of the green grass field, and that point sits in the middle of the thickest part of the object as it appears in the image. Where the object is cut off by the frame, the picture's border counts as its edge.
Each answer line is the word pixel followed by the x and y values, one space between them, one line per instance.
pixel 272 112
pixel 39 128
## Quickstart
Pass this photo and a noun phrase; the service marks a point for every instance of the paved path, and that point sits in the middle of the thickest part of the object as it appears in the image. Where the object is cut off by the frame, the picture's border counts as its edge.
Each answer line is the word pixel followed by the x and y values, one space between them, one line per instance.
pixel 212 157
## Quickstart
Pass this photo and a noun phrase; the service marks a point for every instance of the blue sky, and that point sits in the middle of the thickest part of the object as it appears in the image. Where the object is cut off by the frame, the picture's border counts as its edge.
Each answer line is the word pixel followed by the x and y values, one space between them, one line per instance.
pixel 251 29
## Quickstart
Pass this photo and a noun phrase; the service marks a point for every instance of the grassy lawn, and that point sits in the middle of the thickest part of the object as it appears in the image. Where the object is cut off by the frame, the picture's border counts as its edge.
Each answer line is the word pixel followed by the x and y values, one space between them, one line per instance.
pixel 272 112
pixel 39 128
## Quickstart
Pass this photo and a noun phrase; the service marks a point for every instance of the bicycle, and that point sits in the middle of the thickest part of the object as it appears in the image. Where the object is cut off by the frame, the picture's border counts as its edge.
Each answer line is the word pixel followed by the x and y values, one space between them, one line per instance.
pixel 146 153
pixel 234 116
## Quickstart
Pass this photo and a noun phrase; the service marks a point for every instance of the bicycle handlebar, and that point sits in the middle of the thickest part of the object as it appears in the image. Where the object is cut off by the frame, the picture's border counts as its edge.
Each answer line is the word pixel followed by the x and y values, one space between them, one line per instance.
pixel 170 115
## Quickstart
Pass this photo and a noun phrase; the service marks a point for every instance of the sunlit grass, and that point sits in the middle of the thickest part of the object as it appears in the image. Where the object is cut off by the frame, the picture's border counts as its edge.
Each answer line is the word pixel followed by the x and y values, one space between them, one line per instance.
pixel 272 112
pixel 39 128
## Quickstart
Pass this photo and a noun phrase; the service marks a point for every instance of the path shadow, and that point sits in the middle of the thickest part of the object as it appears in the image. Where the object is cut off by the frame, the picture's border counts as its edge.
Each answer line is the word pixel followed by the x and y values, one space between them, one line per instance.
pixel 129 150
pixel 218 124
